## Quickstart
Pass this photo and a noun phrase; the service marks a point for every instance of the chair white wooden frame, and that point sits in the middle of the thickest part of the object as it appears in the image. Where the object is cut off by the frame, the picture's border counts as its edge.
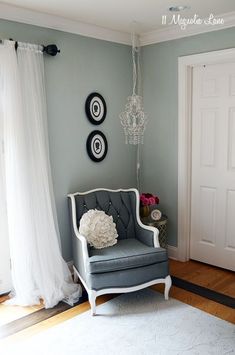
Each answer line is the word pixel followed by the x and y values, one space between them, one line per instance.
pixel 93 294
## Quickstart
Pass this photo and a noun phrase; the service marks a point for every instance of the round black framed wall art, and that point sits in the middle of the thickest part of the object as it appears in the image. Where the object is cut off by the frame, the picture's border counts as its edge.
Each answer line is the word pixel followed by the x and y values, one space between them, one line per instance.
pixel 97 146
pixel 95 108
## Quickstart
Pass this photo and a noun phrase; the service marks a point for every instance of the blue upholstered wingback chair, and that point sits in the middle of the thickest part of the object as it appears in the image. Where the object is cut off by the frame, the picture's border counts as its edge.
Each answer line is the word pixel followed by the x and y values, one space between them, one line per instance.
pixel 135 262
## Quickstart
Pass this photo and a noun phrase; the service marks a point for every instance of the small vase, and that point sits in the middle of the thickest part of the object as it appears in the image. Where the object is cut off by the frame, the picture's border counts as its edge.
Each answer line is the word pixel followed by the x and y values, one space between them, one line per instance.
pixel 144 211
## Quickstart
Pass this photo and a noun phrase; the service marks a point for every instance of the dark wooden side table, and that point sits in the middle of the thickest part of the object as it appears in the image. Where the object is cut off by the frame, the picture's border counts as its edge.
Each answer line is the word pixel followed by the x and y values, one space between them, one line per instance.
pixel 161 225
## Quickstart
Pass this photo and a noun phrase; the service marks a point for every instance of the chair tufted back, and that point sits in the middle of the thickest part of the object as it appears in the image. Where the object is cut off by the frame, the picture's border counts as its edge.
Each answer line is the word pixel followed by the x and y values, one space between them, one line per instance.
pixel 119 204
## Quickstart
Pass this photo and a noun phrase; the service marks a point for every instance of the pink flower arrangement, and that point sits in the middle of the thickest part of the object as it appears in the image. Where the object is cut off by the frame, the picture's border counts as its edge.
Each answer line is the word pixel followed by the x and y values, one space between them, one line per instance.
pixel 147 199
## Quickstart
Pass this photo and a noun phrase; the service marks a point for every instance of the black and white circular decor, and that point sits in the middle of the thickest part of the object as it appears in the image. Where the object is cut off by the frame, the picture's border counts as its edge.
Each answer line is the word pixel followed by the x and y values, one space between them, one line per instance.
pixel 95 108
pixel 97 146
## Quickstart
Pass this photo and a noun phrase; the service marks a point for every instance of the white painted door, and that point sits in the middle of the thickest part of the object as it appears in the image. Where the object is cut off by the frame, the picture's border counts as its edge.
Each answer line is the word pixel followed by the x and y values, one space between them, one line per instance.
pixel 212 238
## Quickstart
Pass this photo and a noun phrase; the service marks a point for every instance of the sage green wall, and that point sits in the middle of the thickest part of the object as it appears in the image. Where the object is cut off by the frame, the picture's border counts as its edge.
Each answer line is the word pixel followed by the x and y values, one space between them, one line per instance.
pixel 87 65
pixel 84 65
pixel 160 73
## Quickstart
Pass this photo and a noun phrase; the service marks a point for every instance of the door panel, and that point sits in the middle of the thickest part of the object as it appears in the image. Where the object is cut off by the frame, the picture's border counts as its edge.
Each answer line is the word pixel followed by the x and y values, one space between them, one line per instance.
pixel 207 144
pixel 207 215
pixel 212 238
pixel 230 220
pixel 231 140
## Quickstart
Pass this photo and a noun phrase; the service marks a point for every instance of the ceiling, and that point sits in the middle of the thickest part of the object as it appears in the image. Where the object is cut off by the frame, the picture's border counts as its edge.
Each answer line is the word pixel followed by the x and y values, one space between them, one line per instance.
pixel 119 14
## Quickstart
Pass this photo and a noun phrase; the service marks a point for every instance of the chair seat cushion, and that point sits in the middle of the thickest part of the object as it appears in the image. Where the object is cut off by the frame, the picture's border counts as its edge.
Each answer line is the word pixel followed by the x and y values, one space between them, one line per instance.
pixel 126 254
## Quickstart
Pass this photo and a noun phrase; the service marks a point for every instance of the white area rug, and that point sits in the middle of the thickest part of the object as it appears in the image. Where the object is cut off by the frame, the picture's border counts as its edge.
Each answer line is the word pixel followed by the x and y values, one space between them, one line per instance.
pixel 133 324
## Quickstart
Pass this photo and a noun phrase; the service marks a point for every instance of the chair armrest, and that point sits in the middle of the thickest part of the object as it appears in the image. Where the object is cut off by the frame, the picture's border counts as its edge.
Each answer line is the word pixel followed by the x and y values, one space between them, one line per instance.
pixel 147 235
pixel 85 253
pixel 82 242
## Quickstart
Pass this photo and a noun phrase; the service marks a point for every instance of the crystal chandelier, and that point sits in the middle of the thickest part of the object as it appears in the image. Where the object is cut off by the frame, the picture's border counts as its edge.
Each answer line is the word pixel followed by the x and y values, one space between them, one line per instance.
pixel 134 119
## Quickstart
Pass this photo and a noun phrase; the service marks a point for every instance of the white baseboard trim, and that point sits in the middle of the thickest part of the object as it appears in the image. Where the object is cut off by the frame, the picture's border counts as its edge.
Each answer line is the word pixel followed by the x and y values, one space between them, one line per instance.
pixel 172 252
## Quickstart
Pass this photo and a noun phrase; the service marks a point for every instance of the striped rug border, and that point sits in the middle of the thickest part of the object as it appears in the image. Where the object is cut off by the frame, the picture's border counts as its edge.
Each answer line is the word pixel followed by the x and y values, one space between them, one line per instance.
pixel 204 292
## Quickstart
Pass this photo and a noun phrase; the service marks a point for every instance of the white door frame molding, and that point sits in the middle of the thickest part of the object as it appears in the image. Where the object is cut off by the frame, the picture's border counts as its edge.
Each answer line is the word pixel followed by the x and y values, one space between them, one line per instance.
pixel 185 66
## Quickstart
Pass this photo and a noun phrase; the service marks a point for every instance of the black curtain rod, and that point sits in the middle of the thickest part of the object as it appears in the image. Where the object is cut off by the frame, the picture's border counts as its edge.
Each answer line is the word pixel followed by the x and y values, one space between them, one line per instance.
pixel 50 49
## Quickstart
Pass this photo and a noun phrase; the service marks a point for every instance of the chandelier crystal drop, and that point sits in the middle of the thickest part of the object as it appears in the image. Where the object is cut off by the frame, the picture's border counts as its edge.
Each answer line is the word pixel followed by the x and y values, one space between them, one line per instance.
pixel 134 119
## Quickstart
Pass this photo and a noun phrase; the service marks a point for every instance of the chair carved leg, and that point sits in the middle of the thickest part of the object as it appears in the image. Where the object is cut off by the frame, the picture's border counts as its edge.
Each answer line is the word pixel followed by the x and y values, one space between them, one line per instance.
pixel 92 298
pixel 168 284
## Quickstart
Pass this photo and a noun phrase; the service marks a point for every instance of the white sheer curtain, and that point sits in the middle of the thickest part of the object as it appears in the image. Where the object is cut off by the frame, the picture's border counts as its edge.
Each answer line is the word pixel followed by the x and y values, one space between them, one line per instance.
pixel 5 276
pixel 38 269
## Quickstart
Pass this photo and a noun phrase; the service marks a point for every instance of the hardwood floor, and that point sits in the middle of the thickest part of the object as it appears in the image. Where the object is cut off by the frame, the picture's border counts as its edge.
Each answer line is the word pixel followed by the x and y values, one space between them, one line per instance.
pixel 212 277
pixel 204 275
pixel 50 322
pixel 11 313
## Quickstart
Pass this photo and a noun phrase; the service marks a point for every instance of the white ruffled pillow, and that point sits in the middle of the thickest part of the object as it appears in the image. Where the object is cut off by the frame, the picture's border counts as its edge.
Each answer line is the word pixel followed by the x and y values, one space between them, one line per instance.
pixel 99 229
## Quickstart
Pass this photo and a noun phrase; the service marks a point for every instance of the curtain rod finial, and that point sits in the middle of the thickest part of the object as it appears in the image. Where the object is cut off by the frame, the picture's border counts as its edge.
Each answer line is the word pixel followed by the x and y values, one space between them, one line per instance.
pixel 51 49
